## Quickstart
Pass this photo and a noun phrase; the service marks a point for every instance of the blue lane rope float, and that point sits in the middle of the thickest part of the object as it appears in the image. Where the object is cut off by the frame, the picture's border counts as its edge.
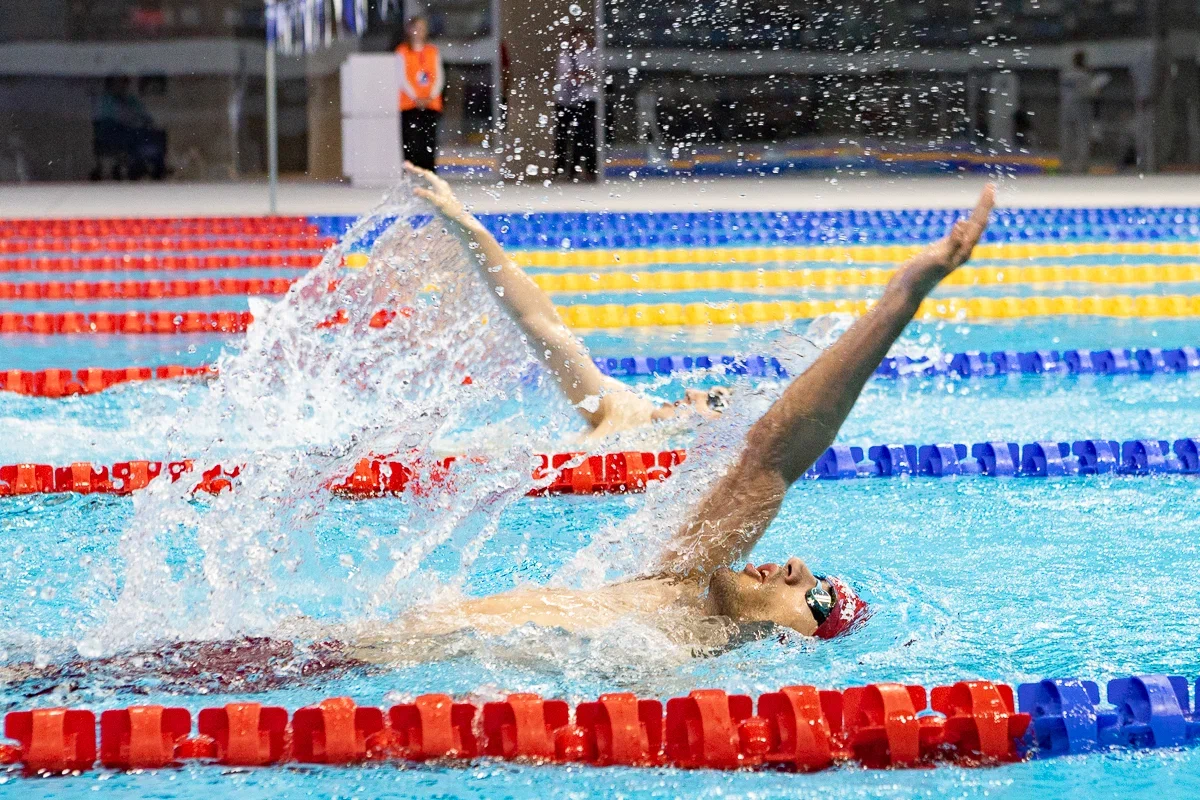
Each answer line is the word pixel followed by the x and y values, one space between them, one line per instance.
pixel 968 364
pixel 720 228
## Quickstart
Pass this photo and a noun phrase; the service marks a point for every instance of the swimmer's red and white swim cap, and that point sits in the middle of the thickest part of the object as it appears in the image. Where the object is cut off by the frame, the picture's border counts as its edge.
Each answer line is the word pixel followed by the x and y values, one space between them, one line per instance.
pixel 849 611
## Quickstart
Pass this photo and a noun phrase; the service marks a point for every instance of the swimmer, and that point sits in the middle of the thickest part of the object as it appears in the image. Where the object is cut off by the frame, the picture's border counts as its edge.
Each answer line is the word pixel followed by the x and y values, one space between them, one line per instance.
pixel 691 591
pixel 608 405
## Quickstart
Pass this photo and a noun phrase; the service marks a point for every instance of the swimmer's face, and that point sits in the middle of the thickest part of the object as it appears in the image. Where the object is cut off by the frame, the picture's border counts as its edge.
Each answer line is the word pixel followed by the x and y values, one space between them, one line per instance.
pixel 766 593
pixel 708 403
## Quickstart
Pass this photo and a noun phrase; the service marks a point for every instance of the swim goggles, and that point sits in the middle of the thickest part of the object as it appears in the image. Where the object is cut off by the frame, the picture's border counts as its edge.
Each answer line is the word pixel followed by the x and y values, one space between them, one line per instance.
pixel 820 600
pixel 717 400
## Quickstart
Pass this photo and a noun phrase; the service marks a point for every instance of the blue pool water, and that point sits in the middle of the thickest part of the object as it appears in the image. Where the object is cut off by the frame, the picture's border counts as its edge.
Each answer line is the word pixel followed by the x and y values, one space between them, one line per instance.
pixel 1009 580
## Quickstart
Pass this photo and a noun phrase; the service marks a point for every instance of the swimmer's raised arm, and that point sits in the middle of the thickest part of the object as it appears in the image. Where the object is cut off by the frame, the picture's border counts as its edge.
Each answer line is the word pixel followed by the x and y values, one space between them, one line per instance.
pixel 558 349
pixel 802 423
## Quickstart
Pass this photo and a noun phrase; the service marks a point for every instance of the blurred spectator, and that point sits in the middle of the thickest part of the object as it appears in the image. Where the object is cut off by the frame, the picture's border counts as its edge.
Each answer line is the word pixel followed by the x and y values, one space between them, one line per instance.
pixel 576 87
pixel 1145 73
pixel 1078 88
pixel 125 141
pixel 422 79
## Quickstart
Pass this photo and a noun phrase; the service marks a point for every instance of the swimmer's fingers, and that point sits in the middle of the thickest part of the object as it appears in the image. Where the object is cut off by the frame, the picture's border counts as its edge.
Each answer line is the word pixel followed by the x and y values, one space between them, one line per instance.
pixel 966 233
pixel 431 177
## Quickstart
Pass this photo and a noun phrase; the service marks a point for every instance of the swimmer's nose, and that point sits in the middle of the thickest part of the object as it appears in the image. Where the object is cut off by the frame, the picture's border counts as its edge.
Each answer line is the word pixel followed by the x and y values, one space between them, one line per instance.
pixel 794 571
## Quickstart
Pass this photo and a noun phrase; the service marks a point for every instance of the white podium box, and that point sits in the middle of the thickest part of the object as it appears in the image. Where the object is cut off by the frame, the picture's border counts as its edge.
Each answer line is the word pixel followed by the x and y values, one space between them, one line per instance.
pixel 371 150
pixel 370 87
pixel 370 119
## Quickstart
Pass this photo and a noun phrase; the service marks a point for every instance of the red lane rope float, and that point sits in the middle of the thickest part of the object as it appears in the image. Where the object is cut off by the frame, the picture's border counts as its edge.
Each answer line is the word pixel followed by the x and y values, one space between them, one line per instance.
pixel 139 322
pixel 180 226
pixel 127 290
pixel 167 263
pixel 64 383
pixel 798 728
pixel 127 322
pixel 154 244
pixel 571 473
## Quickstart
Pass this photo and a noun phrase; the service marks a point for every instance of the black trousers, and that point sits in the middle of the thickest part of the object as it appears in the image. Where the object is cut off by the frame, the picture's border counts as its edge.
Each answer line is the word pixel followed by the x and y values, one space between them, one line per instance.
pixel 575 141
pixel 418 137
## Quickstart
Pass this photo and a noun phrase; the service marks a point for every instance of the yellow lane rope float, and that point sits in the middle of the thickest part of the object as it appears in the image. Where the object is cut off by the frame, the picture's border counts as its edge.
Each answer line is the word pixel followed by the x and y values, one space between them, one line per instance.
pixel 683 280
pixel 601 258
pixel 613 315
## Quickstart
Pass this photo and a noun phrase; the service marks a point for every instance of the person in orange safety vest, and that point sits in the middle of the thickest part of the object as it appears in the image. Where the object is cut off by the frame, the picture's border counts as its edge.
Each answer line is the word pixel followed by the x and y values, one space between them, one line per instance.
pixel 422 79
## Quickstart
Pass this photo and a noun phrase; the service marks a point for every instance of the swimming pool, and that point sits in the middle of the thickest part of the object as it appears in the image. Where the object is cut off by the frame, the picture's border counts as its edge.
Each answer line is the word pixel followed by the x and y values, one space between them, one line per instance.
pixel 1006 580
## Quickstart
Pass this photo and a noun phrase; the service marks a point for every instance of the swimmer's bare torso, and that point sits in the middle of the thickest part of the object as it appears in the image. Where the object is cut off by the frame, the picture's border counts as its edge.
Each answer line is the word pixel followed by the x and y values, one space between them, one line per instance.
pixel 677 608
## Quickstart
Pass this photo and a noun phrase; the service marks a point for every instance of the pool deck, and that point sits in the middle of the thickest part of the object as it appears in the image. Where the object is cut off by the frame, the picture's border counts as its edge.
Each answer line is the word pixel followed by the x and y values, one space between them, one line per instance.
pixel 301 197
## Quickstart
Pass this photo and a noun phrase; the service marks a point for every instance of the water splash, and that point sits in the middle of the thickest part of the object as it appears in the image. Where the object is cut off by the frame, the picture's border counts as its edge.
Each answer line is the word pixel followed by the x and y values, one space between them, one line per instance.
pixel 314 389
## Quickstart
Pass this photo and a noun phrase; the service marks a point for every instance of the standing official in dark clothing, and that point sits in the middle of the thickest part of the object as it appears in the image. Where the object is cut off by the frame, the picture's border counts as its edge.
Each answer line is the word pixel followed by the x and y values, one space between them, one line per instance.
pixel 422 79
pixel 576 88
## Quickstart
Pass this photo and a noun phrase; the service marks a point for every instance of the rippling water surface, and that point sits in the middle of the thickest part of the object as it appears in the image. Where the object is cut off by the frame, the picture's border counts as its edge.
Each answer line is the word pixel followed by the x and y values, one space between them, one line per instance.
pixel 1004 579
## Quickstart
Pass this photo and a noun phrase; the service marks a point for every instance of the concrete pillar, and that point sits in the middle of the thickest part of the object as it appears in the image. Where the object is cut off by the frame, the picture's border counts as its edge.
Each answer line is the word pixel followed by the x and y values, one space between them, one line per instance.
pixel 532 31
pixel 324 127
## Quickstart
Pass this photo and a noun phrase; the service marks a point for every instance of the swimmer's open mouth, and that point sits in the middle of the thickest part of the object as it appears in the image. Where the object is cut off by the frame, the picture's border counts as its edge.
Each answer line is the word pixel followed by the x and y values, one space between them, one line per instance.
pixel 762 572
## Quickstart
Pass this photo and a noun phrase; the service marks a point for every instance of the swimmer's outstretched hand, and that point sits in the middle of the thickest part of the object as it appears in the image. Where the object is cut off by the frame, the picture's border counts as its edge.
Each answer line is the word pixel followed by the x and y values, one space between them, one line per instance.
pixel 935 262
pixel 439 194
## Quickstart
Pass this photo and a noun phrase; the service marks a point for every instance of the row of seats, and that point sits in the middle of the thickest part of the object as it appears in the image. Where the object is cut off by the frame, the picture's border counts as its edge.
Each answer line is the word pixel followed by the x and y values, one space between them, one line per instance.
pixel 798 728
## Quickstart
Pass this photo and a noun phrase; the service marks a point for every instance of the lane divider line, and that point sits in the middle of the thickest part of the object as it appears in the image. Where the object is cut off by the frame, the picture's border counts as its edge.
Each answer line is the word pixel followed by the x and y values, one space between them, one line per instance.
pixel 159 244
pixel 798 728
pixel 614 315
pixel 607 258
pixel 127 322
pixel 141 290
pixel 608 473
pixel 692 280
pixel 55 383
pixel 160 226
pixel 163 263
pixel 969 364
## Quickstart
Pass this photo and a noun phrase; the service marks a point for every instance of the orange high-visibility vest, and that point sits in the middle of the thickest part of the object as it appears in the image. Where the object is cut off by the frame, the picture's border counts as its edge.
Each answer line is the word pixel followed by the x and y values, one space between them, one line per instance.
pixel 421 71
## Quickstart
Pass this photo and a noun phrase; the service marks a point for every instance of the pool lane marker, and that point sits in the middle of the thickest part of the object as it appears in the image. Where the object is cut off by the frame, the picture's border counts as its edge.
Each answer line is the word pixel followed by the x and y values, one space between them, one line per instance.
pixel 630 471
pixel 143 290
pixel 623 258
pixel 160 263
pixel 163 243
pixel 968 364
pixel 797 728
pixel 733 279
pixel 958 309
pixel 56 383
pixel 586 317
